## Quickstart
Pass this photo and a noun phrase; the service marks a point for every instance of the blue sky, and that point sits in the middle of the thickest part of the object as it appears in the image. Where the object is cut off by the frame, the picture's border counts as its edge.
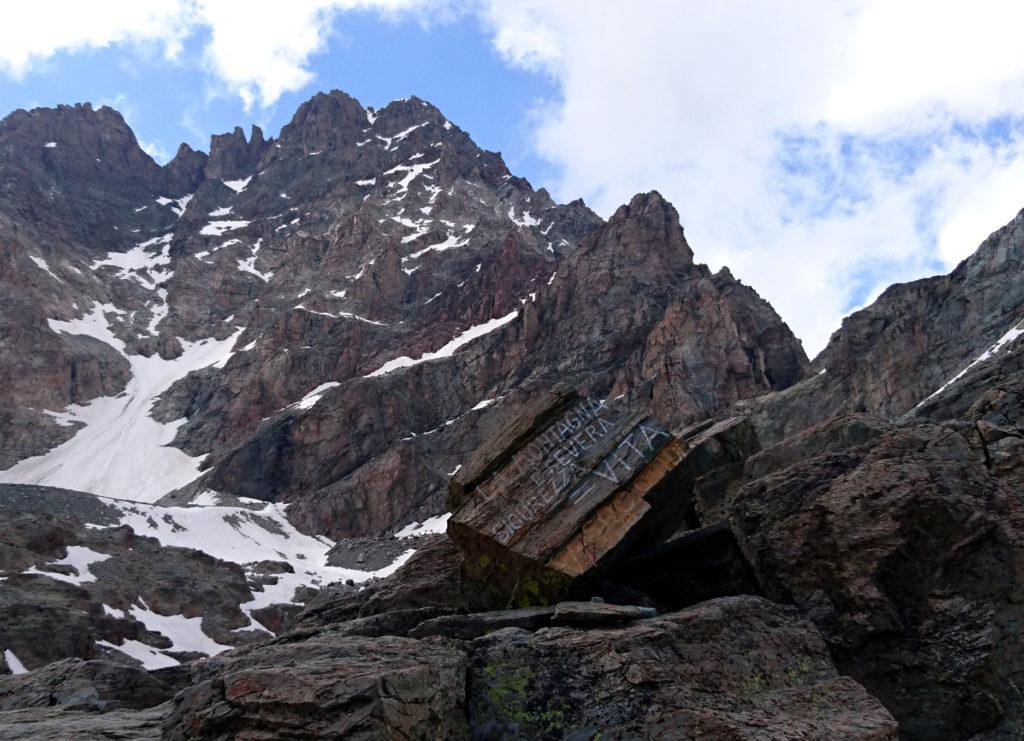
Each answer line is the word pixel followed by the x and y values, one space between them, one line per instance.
pixel 820 150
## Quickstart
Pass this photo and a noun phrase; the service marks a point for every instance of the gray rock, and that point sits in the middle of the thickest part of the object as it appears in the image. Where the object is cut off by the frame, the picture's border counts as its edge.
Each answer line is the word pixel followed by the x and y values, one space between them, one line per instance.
pixel 736 667
pixel 907 553
pixel 467 627
pixel 97 686
pixel 328 686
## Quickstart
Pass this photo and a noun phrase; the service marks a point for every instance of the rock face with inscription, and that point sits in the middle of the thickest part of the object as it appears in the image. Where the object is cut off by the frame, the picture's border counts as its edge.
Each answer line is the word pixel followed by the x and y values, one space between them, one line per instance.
pixel 548 503
pixel 536 519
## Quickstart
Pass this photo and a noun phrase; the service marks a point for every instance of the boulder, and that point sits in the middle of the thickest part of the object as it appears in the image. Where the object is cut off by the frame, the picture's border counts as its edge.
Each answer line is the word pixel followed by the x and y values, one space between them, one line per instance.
pixel 328 686
pixel 569 485
pixel 83 685
pixel 735 667
pixel 59 724
pixel 908 554
pixel 550 500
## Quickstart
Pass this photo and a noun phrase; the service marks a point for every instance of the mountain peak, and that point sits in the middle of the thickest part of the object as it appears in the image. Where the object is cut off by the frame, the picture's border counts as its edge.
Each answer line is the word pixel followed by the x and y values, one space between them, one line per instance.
pixel 650 223
pixel 231 156
pixel 325 120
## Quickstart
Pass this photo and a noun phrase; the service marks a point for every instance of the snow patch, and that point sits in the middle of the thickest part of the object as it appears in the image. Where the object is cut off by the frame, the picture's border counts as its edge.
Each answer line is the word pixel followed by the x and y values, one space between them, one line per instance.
pixel 13 662
pixel 238 185
pixel 150 657
pixel 450 243
pixel 139 265
pixel 430 526
pixel 121 451
pixel 186 634
pixel 1016 331
pixel 391 141
pixel 447 350
pixel 217 228
pixel 246 535
pixel 309 400
pixel 179 204
pixel 411 173
pixel 44 266
pixel 524 220
pixel 80 558
pixel 248 265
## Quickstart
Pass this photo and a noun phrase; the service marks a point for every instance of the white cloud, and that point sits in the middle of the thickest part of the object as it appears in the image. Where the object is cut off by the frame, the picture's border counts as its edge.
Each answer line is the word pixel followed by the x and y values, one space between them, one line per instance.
pixel 33 32
pixel 156 150
pixel 258 50
pixel 931 51
pixel 703 101
pixel 986 195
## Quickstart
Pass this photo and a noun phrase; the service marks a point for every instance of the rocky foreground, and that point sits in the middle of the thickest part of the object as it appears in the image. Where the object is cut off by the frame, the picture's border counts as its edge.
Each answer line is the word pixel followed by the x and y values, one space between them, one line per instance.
pixel 353 434
pixel 861 579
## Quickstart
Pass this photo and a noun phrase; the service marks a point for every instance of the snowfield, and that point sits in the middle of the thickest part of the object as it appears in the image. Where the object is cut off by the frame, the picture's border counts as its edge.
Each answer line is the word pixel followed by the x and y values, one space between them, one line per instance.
pixel 244 534
pixel 121 451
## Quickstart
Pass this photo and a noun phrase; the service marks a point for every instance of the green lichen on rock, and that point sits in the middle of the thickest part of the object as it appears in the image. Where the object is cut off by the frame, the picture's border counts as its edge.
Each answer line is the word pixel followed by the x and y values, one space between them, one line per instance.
pixel 515 702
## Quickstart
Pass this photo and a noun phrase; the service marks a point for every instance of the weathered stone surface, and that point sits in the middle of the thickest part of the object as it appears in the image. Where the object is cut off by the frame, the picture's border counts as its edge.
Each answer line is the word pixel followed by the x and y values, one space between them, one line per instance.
pixel 592 614
pixel 563 493
pixel 736 667
pixel 486 460
pixel 98 686
pixel 58 724
pixel 431 579
pixel 328 686
pixel 467 627
pixel 908 554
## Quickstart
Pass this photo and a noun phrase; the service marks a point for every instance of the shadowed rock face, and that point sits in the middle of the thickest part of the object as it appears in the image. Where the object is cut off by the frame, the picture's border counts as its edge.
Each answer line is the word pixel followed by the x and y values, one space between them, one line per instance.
pixel 907 553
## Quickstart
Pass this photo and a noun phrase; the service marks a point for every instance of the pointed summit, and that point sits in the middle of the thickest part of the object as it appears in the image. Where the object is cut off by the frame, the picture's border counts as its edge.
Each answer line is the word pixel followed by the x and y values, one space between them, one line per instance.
pixel 231 156
pixel 325 121
pixel 185 172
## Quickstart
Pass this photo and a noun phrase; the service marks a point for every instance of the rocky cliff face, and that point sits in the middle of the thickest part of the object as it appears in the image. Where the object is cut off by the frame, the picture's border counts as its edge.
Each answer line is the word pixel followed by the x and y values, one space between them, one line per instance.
pixel 334 313
pixel 897 355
